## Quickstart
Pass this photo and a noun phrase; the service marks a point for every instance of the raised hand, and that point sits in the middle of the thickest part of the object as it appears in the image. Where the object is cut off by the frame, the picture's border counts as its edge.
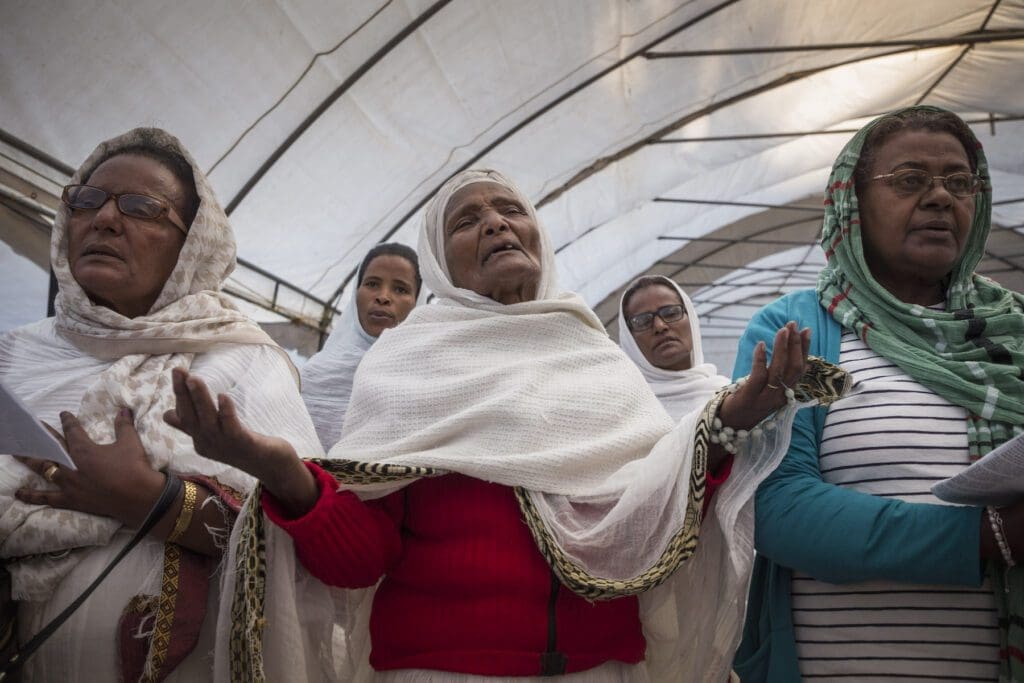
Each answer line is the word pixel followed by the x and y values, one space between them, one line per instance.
pixel 217 433
pixel 113 480
pixel 765 388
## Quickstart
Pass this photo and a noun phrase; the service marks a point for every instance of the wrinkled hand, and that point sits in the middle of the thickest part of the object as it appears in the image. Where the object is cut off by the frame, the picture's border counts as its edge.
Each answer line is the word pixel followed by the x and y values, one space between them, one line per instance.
pixel 765 389
pixel 113 480
pixel 217 433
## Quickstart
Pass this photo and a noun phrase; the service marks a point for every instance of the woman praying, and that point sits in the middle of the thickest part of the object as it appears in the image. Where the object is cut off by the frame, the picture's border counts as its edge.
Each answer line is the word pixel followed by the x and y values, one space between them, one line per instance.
pixel 140 249
pixel 508 498
pixel 861 571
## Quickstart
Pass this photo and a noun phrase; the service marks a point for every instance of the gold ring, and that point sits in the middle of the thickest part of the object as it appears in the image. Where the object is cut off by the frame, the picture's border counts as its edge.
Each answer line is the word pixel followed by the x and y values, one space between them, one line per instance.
pixel 772 386
pixel 50 472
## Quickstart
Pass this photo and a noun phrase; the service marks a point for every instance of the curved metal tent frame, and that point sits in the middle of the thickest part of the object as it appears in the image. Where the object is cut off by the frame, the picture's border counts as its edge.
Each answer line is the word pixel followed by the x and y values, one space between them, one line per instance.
pixel 607 114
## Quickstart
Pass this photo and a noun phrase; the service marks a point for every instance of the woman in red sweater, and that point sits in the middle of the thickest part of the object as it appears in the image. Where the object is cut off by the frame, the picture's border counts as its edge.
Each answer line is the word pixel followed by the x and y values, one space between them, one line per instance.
pixel 509 485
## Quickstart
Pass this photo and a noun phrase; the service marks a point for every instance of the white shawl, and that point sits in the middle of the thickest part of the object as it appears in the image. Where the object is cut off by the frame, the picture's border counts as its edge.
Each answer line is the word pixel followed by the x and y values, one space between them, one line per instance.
pixel 327 376
pixel 679 391
pixel 535 395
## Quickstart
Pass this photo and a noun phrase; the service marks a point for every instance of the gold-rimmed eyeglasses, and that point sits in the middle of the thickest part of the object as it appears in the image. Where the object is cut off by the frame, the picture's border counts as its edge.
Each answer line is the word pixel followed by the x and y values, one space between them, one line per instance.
pixel 910 181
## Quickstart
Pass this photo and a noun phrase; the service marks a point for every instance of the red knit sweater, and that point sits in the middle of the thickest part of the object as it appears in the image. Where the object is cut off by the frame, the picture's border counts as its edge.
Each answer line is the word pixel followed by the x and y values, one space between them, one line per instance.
pixel 465 589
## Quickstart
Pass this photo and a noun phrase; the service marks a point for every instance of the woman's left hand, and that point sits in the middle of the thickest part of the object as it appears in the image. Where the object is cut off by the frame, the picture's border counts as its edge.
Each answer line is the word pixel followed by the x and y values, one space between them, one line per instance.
pixel 217 433
pixel 765 388
pixel 113 480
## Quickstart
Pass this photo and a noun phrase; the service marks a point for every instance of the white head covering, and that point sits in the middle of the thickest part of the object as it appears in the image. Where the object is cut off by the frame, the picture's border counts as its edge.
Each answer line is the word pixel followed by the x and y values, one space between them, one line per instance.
pixel 679 391
pixel 191 313
pixel 327 376
pixel 433 265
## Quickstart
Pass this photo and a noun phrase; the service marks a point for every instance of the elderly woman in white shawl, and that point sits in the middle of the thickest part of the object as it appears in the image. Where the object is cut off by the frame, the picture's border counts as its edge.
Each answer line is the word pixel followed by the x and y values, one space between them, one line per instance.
pixel 504 403
pixel 140 249
pixel 387 285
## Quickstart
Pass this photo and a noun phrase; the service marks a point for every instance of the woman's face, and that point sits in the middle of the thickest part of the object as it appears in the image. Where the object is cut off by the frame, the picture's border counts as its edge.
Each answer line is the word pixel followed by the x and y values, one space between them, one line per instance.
pixel 912 241
pixel 386 293
pixel 492 246
pixel 665 345
pixel 122 262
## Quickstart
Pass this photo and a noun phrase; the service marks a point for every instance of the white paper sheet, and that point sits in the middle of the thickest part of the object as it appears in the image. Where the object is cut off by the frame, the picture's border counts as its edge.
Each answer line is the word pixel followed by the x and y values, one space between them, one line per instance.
pixel 22 434
pixel 996 479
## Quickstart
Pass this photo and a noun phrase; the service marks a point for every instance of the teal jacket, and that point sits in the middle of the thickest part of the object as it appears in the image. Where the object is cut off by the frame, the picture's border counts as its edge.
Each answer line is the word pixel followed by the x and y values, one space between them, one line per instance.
pixel 834 534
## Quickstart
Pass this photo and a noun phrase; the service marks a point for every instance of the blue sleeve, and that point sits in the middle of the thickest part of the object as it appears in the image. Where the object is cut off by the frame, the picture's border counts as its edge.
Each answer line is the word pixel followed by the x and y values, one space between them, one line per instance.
pixel 840 535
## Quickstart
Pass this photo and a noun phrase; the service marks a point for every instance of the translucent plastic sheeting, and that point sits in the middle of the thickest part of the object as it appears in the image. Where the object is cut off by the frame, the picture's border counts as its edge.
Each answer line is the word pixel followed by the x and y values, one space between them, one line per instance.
pixel 555 94
pixel 24 290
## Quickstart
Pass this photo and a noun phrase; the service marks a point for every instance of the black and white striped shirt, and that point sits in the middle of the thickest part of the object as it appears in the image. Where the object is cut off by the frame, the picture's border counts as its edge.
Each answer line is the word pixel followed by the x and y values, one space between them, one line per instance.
pixel 892 438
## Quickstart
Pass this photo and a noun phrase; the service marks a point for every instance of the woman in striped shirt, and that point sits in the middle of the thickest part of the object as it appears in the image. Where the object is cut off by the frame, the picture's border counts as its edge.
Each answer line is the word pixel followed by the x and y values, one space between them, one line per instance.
pixel 863 574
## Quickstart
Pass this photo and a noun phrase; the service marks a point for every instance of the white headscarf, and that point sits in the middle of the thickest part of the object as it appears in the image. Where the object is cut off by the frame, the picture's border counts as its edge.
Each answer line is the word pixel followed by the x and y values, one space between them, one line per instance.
pixel 679 391
pixel 191 313
pixel 434 267
pixel 327 376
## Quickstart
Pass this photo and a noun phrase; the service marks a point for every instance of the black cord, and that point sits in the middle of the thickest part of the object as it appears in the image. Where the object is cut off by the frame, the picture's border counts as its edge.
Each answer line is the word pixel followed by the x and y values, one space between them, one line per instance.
pixel 167 497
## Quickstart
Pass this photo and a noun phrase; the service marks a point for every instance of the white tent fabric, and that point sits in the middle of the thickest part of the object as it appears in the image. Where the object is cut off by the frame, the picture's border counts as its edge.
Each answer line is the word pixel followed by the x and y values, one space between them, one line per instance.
pixel 558 95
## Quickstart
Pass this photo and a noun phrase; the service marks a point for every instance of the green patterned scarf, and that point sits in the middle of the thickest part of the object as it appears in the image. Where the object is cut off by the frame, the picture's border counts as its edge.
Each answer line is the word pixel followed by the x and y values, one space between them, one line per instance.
pixel 971 354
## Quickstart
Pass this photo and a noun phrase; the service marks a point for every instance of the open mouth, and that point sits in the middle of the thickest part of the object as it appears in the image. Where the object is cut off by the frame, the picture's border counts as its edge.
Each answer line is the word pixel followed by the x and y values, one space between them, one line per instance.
pixel 500 249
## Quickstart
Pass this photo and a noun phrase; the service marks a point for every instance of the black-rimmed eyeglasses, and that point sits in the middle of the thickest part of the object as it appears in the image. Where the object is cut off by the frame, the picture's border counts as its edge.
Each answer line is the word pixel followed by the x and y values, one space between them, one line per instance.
pixel 912 181
pixel 668 314
pixel 89 198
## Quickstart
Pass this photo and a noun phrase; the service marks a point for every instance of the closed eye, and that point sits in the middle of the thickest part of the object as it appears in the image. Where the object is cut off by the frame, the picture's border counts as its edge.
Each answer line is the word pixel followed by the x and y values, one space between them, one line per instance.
pixel 461 224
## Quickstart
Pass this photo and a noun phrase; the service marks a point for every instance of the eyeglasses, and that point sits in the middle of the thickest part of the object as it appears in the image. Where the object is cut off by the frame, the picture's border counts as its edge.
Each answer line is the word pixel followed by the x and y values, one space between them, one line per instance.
pixel 912 181
pixel 668 314
pixel 89 198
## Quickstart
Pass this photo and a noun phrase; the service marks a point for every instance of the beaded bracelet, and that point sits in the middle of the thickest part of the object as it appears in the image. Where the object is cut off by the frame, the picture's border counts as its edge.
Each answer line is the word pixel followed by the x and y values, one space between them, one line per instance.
pixel 995 520
pixel 185 515
pixel 732 439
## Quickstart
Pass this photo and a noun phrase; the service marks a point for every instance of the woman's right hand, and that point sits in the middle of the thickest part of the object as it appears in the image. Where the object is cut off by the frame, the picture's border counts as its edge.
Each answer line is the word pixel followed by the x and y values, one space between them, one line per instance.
pixel 764 391
pixel 217 433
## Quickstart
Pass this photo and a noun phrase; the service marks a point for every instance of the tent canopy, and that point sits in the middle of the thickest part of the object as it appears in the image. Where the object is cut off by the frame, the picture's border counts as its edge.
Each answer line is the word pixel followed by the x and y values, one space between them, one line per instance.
pixel 686 138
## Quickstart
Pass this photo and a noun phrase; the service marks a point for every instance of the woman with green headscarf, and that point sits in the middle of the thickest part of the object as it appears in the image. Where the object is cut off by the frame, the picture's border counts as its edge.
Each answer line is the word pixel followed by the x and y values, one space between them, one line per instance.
pixel 862 572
